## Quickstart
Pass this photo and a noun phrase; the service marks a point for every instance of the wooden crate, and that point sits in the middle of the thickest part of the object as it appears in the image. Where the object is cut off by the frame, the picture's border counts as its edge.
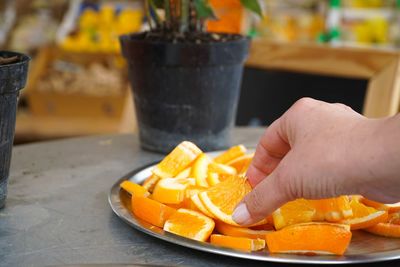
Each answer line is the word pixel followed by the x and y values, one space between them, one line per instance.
pixel 58 115
pixel 79 104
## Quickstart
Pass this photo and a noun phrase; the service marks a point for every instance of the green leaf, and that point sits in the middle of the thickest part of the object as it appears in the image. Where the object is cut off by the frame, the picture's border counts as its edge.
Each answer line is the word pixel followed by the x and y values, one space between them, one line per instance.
pixel 204 10
pixel 252 5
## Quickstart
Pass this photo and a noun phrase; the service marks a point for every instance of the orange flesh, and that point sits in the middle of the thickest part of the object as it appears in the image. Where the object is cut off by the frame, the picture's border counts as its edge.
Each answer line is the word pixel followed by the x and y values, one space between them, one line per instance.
pixel 134 189
pixel 380 206
pixel 231 154
pixel 227 194
pixel 241 162
pixel 190 224
pixel 230 230
pixel 178 160
pixel 364 217
pixel 316 238
pixel 390 228
pixel 151 182
pixel 241 243
pixel 151 211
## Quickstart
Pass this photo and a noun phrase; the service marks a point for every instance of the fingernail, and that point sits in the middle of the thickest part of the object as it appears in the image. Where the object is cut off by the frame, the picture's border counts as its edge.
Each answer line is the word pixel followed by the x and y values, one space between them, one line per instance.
pixel 241 214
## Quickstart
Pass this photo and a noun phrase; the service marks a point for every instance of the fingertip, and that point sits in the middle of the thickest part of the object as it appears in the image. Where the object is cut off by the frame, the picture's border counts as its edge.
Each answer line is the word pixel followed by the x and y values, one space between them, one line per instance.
pixel 241 214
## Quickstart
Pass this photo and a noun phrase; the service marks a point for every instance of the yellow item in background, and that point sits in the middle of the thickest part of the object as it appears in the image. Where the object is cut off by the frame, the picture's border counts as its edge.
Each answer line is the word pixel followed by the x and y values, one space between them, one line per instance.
pixel 374 31
pixel 98 31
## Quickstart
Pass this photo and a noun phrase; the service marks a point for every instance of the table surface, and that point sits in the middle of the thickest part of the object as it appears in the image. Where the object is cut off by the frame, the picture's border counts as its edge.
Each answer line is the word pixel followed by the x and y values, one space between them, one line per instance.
pixel 57 211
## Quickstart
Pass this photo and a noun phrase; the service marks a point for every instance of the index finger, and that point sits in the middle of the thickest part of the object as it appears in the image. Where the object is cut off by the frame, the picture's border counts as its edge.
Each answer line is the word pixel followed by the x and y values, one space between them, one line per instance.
pixel 271 148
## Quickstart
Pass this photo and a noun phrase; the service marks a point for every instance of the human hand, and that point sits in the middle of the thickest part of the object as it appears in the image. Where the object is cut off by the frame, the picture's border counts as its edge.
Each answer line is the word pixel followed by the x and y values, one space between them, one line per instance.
pixel 319 150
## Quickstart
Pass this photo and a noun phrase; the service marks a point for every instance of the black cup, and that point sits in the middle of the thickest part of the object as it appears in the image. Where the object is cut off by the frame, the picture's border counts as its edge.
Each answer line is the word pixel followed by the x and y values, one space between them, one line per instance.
pixel 12 80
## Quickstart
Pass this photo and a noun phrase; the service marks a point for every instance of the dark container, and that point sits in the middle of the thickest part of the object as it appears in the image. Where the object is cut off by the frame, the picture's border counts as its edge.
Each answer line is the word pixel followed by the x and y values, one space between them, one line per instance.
pixel 185 91
pixel 12 80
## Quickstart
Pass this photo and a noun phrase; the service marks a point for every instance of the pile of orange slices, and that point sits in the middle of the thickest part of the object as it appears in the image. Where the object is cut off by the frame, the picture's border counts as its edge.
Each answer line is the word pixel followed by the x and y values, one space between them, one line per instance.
pixel 193 195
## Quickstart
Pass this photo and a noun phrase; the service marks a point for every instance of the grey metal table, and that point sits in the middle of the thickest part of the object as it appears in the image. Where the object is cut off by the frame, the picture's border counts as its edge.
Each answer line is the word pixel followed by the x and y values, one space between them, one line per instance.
pixel 57 211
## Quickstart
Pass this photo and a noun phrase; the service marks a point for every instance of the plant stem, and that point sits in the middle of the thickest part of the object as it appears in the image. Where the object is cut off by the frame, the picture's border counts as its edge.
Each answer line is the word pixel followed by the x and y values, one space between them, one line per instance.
pixel 153 10
pixel 148 15
pixel 184 16
pixel 167 8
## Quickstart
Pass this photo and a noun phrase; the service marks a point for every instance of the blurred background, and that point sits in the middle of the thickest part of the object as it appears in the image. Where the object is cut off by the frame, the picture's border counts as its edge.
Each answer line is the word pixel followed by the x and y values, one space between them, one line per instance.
pixel 78 82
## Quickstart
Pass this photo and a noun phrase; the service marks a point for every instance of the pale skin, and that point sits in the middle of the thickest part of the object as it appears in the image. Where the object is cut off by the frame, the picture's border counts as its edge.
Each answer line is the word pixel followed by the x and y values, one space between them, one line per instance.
pixel 318 150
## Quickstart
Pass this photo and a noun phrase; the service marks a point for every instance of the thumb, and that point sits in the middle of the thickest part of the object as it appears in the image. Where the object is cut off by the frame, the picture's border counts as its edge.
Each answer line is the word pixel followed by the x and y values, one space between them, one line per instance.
pixel 266 197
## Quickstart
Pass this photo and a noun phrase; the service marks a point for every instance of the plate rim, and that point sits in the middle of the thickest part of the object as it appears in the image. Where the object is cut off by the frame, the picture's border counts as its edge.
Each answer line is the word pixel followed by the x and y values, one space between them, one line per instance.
pixel 206 247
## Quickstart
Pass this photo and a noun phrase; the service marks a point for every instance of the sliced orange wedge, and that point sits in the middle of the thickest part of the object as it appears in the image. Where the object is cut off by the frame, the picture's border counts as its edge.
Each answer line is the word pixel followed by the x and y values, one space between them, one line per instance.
pixel 200 206
pixel 241 162
pixel 240 243
pixel 310 239
pixel 134 189
pixel 363 216
pixel 151 211
pixel 221 199
pixel 180 158
pixel 293 212
pixel 390 228
pixel 200 170
pixel 303 210
pixel 213 178
pixel 172 190
pixel 231 154
pixel 190 224
pixel 221 168
pixel 332 209
pixel 231 230
pixel 151 182
pixel 185 173
pixel 380 206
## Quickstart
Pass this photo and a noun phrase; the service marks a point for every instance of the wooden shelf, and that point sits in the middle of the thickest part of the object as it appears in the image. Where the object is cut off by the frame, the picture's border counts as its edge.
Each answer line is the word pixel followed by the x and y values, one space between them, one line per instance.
pixel 380 68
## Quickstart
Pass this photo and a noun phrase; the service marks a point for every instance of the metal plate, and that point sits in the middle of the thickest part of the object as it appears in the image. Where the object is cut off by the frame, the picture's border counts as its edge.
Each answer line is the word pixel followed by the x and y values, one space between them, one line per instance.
pixel 364 247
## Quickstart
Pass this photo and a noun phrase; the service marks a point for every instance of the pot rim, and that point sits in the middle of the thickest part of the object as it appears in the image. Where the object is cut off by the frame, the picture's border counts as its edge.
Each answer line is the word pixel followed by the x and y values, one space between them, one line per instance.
pixel 130 37
pixel 24 58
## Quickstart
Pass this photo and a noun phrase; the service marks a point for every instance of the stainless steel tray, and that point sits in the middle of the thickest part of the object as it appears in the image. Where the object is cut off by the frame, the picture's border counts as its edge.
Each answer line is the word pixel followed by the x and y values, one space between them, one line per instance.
pixel 364 247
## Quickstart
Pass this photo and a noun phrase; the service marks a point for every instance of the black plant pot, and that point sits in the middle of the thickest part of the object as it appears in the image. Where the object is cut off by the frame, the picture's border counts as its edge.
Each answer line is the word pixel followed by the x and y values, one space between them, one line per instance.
pixel 12 80
pixel 185 91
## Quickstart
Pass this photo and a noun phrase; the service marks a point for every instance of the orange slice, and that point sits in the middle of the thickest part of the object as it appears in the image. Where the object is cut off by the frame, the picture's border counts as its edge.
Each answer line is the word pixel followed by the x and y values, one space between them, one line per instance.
pixel 176 161
pixel 241 243
pixel 221 168
pixel 200 170
pixel 134 189
pixel 221 199
pixel 241 162
pixel 231 154
pixel 310 239
pixel 151 211
pixel 213 178
pixel 390 228
pixel 303 210
pixel 268 225
pixel 187 202
pixel 231 230
pixel 363 216
pixel 200 206
pixel 332 209
pixel 380 206
pixel 190 224
pixel 293 212
pixel 151 182
pixel 171 190
pixel 185 173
